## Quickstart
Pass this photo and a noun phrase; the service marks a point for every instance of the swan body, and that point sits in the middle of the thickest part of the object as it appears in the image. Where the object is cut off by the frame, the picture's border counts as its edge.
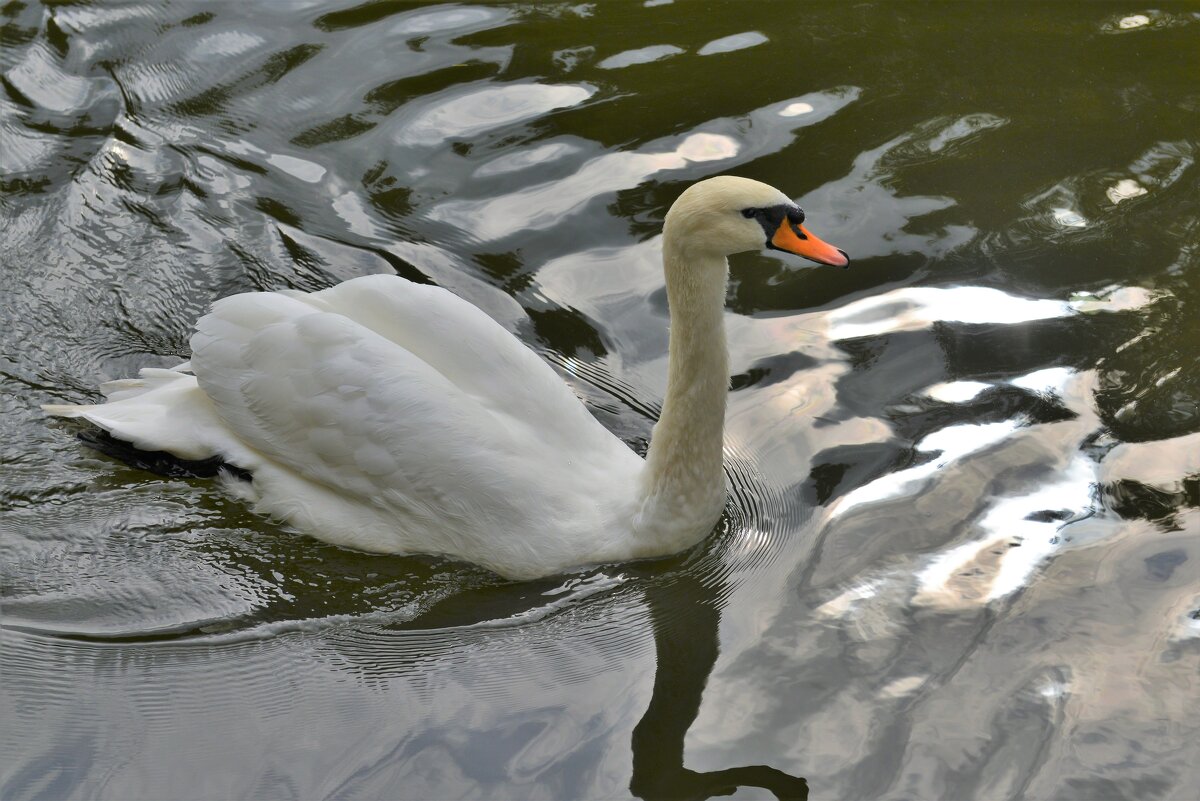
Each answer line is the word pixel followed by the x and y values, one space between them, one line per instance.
pixel 394 417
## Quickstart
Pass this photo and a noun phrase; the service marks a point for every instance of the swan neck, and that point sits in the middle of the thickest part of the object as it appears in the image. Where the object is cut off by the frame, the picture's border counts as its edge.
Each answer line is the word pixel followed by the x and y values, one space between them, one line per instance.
pixel 685 475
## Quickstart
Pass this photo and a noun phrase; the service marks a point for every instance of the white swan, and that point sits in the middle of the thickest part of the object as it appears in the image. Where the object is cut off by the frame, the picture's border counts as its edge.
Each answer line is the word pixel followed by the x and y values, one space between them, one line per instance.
pixel 393 417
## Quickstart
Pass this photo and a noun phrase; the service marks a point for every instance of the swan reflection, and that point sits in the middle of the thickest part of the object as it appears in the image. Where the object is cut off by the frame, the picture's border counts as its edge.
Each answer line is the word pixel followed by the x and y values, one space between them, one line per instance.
pixel 685 620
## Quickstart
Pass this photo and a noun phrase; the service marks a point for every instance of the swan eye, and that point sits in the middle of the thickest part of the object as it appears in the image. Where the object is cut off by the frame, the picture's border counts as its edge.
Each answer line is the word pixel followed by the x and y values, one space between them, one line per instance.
pixel 750 214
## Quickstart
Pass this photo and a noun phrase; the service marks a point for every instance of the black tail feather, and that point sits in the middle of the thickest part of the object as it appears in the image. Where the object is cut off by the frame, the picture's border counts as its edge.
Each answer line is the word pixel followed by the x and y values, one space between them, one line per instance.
pixel 160 462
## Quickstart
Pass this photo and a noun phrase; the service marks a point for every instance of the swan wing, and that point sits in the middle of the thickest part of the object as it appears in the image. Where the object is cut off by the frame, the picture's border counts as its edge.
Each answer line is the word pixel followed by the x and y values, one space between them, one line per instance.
pixel 474 352
pixel 436 438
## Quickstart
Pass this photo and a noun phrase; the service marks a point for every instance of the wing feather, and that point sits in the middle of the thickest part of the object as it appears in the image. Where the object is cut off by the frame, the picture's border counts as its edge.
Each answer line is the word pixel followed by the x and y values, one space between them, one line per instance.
pixel 475 353
pixel 408 397
pixel 345 407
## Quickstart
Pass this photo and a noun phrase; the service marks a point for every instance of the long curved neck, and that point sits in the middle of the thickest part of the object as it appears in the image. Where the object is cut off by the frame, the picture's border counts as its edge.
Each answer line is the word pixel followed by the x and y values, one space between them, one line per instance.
pixel 684 473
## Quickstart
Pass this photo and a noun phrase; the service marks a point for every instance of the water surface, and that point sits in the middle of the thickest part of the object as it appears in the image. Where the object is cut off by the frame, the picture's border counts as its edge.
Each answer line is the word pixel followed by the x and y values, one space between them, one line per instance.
pixel 959 559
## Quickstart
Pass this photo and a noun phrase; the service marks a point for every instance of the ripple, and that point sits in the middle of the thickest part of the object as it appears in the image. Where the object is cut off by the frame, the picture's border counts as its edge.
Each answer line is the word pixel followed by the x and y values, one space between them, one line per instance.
pixel 420 22
pixel 728 44
pixel 870 184
pixel 525 159
pixel 225 44
pixel 45 98
pixel 721 144
pixel 108 589
pixel 470 114
pixel 752 534
pixel 39 78
pixel 1085 207
pixel 956 391
pixel 1017 539
pixel 305 170
pixel 1124 189
pixel 1163 463
pixel 155 84
pixel 25 152
pixel 917 308
pixel 1150 20
pixel 642 55
pixel 446 20
pixel 760 517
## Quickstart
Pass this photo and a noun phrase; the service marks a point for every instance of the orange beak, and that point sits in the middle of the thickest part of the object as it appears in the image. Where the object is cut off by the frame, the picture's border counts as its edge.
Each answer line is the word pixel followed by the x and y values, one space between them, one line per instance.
pixel 796 239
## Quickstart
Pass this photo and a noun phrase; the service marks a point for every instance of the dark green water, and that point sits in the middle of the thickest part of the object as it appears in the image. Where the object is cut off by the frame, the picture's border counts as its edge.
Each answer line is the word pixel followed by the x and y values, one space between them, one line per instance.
pixel 960 559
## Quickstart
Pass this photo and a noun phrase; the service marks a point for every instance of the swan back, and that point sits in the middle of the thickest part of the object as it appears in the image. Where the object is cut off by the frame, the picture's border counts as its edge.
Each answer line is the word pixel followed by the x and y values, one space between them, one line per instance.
pixel 389 416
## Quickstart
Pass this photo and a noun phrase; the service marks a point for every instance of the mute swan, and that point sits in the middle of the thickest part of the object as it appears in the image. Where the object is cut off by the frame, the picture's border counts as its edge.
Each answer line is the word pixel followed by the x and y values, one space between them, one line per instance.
pixel 393 417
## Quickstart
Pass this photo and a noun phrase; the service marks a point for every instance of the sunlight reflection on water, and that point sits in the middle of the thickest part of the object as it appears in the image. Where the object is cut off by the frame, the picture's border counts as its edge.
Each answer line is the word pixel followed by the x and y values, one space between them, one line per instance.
pixel 544 205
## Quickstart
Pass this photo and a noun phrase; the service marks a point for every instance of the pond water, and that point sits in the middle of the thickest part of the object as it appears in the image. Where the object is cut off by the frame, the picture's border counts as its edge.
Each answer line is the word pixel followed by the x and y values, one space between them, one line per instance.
pixel 959 559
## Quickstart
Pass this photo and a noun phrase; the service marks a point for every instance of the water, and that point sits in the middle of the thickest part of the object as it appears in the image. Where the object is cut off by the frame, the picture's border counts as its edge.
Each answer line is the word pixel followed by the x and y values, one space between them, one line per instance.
pixel 959 560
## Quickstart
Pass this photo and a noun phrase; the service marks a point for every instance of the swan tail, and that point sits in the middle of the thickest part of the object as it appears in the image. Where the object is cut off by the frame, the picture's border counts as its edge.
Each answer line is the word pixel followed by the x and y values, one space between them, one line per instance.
pixel 63 409
pixel 160 411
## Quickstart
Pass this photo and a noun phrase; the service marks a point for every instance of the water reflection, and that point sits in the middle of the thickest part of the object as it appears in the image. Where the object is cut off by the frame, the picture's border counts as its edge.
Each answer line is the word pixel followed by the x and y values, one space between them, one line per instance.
pixel 1148 21
pixel 716 145
pixel 864 206
pixel 728 44
pixel 920 307
pixel 687 647
pixel 643 55
pixel 468 114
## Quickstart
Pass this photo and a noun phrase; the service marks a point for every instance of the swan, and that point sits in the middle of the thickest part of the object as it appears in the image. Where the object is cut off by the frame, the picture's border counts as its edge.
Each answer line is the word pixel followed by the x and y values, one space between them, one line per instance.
pixel 394 417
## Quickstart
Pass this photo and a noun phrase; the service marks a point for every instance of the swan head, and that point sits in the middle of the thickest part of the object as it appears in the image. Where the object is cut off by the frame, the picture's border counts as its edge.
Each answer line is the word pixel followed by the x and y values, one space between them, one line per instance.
pixel 728 214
